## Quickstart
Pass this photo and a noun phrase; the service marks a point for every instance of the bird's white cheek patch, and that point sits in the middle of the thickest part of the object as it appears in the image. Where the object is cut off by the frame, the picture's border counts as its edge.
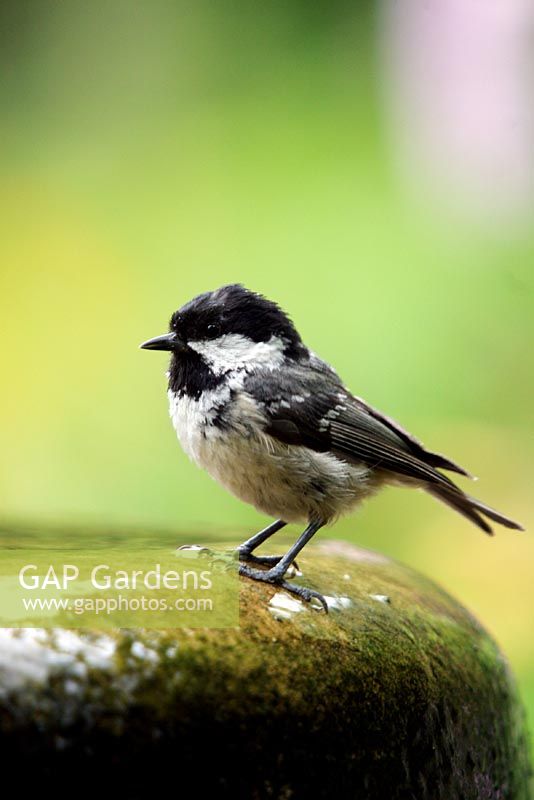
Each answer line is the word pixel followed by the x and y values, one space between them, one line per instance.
pixel 234 351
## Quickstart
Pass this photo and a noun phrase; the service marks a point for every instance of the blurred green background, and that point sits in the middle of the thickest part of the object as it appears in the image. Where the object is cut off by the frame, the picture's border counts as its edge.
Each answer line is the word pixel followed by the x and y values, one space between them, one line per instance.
pixel 155 150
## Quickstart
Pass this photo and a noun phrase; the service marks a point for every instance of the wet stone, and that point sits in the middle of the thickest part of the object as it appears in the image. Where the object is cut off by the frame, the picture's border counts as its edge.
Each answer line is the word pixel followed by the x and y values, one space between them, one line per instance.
pixel 397 692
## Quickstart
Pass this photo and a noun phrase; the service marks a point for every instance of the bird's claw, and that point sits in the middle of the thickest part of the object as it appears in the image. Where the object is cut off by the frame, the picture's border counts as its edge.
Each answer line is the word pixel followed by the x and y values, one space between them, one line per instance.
pixel 306 594
pixel 268 561
pixel 277 579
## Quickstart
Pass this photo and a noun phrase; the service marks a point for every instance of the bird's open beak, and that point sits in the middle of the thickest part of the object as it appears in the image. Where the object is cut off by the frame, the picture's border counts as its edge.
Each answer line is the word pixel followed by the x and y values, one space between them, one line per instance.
pixel 168 341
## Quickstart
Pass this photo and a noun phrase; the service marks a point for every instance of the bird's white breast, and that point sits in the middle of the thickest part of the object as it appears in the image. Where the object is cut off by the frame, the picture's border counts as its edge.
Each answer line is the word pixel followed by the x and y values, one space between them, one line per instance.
pixel 283 481
pixel 194 422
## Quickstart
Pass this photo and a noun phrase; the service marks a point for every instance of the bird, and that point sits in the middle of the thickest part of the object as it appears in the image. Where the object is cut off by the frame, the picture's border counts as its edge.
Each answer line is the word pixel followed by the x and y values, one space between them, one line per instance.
pixel 275 425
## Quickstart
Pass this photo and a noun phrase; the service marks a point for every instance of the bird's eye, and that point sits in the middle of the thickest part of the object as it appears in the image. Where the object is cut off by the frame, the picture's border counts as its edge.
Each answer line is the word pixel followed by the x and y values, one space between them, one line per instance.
pixel 213 330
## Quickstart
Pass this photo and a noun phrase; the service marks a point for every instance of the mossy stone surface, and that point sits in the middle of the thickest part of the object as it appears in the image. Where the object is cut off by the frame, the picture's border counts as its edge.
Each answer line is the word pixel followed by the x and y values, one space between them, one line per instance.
pixel 397 693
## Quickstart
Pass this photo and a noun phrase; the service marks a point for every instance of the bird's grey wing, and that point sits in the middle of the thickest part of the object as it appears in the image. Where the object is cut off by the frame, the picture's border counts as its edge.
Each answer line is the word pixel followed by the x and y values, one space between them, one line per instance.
pixel 307 407
pixel 397 432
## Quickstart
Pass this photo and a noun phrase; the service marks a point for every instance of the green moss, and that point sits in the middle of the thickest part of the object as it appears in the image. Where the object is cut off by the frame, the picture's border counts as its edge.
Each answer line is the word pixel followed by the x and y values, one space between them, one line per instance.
pixel 402 699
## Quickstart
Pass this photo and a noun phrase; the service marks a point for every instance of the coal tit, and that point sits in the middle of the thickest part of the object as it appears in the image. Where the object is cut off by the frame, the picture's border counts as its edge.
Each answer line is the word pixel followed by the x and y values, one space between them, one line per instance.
pixel 276 426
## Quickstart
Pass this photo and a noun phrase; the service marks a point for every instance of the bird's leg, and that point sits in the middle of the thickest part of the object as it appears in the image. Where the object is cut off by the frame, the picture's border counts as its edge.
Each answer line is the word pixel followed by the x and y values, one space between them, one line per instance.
pixel 245 549
pixel 275 575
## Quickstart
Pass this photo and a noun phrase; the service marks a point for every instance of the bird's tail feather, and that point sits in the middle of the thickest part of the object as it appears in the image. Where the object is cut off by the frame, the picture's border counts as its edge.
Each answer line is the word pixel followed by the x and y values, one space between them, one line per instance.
pixel 471 508
pixel 438 461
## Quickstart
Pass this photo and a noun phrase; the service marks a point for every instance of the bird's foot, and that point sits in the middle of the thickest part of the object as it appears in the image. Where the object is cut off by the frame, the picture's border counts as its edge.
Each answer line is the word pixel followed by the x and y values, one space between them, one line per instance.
pixel 267 561
pixel 275 577
pixel 306 594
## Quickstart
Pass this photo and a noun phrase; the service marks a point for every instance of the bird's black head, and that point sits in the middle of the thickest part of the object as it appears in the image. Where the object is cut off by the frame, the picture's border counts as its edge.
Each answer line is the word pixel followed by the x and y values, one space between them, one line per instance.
pixel 225 330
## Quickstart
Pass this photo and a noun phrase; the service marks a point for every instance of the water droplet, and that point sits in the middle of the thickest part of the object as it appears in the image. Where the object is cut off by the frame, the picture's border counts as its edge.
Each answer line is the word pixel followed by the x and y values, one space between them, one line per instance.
pixel 381 598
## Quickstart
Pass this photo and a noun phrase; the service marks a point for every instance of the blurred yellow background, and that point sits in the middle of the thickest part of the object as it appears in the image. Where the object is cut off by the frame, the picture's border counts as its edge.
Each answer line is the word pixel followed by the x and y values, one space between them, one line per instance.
pixel 155 150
